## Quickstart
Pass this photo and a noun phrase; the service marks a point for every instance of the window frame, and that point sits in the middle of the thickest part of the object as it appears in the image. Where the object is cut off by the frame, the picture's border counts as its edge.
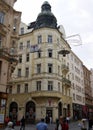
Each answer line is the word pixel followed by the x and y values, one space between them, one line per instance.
pixel 27 57
pixel 27 72
pixel 50 53
pixel 38 85
pixel 50 68
pixel 19 72
pixel 50 85
pixel 38 68
pixel 39 39
pixel 26 88
pixel 2 15
pixel 18 88
pixel 20 59
pixel 50 39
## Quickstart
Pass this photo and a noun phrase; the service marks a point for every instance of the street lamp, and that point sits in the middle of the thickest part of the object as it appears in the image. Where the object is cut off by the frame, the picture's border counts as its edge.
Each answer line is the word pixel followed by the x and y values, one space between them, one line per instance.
pixel 64 52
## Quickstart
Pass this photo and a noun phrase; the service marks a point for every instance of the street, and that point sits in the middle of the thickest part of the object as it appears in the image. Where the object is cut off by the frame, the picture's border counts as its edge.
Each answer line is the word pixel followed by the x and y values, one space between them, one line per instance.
pixel 72 126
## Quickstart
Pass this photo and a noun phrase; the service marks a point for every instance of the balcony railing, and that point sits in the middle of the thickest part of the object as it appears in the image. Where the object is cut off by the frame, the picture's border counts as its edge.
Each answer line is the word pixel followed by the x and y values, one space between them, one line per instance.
pixel 66 82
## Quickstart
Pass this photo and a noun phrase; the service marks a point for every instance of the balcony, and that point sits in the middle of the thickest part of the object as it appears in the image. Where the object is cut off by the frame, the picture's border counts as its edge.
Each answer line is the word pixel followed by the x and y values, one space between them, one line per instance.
pixel 46 94
pixel 66 82
pixel 5 54
pixel 65 69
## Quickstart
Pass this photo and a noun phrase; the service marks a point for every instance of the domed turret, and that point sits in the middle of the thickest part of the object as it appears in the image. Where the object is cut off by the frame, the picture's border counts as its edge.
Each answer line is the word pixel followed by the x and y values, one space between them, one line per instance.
pixel 46 17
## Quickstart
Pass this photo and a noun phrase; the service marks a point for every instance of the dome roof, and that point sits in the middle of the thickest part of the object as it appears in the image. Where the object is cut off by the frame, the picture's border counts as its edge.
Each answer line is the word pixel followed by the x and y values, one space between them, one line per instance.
pixel 46 17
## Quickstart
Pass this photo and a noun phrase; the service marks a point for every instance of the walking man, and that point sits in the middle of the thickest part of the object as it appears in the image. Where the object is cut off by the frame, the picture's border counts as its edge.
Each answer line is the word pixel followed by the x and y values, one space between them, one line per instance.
pixel 41 125
pixel 22 123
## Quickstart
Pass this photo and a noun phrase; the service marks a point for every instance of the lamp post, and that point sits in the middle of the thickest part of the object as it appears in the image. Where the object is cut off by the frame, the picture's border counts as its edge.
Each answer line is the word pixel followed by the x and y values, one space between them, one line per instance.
pixel 64 52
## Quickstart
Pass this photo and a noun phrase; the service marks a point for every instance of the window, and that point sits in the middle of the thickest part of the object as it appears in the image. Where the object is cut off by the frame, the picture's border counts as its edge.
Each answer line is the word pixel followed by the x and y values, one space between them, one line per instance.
pixel 27 72
pixel 21 46
pixel 10 89
pixel 50 85
pixel 50 66
pixel 38 68
pixel 0 42
pixel 18 88
pixel 2 17
pixel 49 53
pixel 59 87
pixel 20 59
pixel 19 72
pixel 38 85
pixel 49 38
pixel 13 44
pixel 27 57
pixel 39 39
pixel 26 88
pixel 58 69
pixel 22 30
pixel 39 54
pixel 28 44
pixel 0 68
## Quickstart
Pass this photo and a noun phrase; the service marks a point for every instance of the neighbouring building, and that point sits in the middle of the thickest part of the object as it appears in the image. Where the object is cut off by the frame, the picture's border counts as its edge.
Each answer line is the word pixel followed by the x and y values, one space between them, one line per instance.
pixel 9 23
pixel 48 80
pixel 78 89
pixel 91 79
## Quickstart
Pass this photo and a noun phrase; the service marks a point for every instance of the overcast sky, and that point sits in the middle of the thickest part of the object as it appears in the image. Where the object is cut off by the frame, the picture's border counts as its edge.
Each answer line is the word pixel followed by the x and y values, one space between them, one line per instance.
pixel 76 16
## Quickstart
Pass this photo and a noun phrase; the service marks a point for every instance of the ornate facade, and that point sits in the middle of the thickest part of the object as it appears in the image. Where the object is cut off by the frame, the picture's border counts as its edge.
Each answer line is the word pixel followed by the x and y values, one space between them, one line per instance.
pixel 9 23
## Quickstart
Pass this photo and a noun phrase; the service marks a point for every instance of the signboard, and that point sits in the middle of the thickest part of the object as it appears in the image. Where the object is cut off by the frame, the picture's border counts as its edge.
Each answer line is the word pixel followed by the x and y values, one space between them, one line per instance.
pixel 1 118
pixel 34 48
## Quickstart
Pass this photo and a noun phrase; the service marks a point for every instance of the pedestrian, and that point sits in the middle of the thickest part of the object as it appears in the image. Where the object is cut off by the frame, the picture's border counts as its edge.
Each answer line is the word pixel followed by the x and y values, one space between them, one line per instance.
pixel 90 123
pixel 42 125
pixel 7 119
pixel 83 124
pixel 50 120
pixel 22 123
pixel 65 125
pixel 9 126
pixel 59 123
pixel 67 119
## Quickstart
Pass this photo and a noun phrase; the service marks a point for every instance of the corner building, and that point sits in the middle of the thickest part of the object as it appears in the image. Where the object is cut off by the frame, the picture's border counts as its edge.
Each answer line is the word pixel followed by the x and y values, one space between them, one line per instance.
pixel 39 86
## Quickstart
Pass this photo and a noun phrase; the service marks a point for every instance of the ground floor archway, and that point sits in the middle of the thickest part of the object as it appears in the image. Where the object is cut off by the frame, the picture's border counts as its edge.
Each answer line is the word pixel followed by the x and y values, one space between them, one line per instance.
pixel 13 112
pixel 30 112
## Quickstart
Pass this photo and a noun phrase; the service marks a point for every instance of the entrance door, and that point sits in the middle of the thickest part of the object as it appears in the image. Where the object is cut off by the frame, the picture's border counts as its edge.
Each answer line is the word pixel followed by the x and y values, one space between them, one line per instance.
pixel 48 115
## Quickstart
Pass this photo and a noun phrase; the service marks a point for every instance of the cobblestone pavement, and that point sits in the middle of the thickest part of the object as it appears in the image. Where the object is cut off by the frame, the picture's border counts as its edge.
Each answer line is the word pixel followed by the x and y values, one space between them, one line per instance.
pixel 72 126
